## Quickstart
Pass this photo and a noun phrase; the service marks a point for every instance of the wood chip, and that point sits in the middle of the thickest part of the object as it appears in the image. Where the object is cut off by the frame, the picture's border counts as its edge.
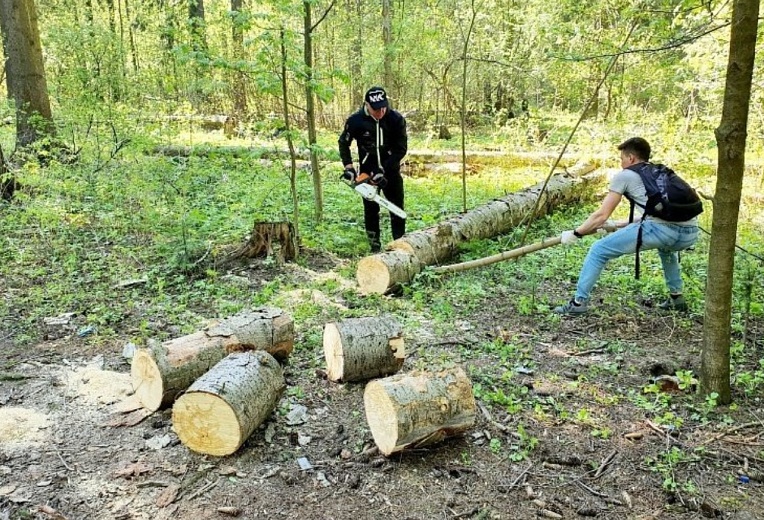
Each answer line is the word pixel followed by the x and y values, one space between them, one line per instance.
pixel 546 513
pixel 50 512
pixel 133 470
pixel 230 511
pixel 130 419
pixel 168 495
pixel 635 435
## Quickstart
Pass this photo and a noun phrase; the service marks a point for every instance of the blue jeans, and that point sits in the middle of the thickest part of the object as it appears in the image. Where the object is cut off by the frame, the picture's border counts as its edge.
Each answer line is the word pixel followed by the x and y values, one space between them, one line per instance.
pixel 668 239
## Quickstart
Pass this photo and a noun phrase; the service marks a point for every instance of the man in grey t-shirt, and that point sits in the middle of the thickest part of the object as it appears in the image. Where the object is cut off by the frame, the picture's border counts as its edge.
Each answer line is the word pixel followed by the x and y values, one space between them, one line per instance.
pixel 667 237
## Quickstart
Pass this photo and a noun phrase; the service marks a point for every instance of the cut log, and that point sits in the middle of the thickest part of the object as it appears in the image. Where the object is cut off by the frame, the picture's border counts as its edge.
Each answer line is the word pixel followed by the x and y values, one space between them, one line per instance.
pixel 413 252
pixel 381 272
pixel 363 348
pixel 224 406
pixel 161 372
pixel 418 409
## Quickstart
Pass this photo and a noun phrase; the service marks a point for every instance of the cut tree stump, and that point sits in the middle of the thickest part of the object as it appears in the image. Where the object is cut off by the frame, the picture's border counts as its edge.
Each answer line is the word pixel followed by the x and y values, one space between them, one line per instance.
pixel 363 348
pixel 163 371
pixel 410 254
pixel 418 409
pixel 263 238
pixel 224 406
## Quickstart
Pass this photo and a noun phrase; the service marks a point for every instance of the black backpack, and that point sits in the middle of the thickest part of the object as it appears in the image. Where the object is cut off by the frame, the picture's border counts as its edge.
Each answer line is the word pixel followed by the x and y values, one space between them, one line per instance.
pixel 669 198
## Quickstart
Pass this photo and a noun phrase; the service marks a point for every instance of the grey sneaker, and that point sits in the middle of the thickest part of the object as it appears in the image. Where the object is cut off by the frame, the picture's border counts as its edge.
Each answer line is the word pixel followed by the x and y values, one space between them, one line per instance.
pixel 674 304
pixel 572 308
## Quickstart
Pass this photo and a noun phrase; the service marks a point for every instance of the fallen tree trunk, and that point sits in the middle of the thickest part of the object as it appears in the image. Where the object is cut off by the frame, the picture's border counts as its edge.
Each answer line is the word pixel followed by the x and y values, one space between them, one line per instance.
pixel 224 406
pixel 162 372
pixel 363 348
pixel 418 409
pixel 410 254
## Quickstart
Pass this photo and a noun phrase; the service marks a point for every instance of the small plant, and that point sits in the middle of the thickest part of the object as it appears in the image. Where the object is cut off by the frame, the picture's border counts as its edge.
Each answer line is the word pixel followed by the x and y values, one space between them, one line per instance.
pixel 495 446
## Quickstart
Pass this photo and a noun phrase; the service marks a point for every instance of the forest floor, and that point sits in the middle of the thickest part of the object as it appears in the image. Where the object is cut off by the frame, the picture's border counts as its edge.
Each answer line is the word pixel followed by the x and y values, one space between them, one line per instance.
pixel 565 428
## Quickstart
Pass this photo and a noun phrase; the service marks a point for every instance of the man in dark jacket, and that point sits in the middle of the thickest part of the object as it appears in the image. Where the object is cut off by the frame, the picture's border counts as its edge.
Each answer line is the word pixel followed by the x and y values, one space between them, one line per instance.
pixel 380 134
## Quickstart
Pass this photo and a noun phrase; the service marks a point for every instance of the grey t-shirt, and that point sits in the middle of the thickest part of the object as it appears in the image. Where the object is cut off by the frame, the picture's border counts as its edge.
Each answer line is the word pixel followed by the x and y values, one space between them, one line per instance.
pixel 628 182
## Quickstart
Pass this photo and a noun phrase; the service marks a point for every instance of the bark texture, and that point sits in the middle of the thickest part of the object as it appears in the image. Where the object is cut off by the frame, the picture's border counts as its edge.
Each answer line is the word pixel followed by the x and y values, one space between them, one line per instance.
pixel 363 348
pixel 418 409
pixel 413 252
pixel 731 139
pixel 224 406
pixel 25 72
pixel 162 372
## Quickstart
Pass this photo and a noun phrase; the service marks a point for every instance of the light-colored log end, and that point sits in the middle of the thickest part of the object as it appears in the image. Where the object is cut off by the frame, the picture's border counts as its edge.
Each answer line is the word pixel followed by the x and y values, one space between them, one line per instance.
pixel 333 352
pixel 206 424
pixel 147 380
pixel 381 416
pixel 373 275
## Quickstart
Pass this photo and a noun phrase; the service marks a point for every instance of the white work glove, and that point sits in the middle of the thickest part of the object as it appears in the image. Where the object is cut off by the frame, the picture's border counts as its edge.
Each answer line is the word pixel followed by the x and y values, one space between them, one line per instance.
pixel 568 238
pixel 608 227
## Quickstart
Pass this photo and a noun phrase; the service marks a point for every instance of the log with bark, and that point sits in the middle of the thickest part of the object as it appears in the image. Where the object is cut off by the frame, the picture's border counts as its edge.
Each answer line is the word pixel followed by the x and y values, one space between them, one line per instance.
pixel 418 409
pixel 363 348
pixel 163 371
pixel 410 254
pixel 224 406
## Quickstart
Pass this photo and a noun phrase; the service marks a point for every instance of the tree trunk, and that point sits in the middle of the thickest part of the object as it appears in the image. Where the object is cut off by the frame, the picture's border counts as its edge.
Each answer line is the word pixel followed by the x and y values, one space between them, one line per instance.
pixel 25 72
pixel 731 140
pixel 387 45
pixel 162 372
pixel 197 25
pixel 318 195
pixel 418 409
pixel 224 406
pixel 411 253
pixel 356 58
pixel 289 137
pixel 239 85
pixel 363 348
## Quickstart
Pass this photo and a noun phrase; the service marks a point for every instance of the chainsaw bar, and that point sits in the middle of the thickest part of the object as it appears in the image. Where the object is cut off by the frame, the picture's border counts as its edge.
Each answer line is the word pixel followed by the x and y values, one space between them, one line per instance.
pixel 369 192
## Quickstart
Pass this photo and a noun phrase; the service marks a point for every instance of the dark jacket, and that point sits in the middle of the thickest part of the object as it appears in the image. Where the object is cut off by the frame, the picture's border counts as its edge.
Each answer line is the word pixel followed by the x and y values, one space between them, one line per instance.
pixel 389 132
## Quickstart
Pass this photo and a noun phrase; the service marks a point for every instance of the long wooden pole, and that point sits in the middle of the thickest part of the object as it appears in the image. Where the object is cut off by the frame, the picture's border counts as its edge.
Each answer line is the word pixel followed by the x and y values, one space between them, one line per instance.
pixel 514 253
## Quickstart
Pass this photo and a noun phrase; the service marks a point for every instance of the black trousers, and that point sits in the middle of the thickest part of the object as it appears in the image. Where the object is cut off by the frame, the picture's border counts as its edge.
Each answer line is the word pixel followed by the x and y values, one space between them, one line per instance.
pixel 393 192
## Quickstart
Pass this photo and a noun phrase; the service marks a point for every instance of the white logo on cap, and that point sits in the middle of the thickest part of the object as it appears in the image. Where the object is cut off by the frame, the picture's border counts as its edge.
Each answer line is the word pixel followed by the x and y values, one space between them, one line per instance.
pixel 373 98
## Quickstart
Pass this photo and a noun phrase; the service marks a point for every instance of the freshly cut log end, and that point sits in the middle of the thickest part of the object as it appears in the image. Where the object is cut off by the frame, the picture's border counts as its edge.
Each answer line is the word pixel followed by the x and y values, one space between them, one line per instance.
pixel 333 352
pixel 224 406
pixel 372 275
pixel 209 424
pixel 418 409
pixel 147 380
pixel 363 348
pixel 379 273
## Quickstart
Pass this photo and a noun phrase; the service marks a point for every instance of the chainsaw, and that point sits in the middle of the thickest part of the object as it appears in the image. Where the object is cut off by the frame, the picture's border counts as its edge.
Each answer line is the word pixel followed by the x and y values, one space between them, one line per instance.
pixel 370 191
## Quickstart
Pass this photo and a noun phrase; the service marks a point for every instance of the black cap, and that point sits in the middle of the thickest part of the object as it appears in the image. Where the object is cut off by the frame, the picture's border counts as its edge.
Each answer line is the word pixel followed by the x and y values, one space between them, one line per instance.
pixel 376 97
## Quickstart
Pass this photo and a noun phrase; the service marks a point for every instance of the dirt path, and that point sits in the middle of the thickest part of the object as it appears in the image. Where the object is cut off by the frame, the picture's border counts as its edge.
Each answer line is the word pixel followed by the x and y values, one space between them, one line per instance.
pixel 558 434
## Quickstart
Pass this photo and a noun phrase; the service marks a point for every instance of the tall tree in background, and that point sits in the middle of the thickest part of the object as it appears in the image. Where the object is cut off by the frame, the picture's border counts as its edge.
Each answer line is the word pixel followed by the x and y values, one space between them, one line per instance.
pixel 237 37
pixel 387 45
pixel 730 139
pixel 196 23
pixel 466 39
pixel 310 109
pixel 25 73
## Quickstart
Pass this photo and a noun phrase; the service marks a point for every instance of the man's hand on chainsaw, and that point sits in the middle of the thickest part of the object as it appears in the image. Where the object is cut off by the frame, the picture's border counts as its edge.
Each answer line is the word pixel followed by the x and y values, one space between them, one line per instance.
pixel 349 174
pixel 379 179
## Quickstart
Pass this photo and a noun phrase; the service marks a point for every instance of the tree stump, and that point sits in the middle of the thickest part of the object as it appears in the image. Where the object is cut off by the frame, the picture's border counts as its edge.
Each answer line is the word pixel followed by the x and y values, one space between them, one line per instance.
pixel 224 406
pixel 163 371
pixel 418 409
pixel 263 238
pixel 363 348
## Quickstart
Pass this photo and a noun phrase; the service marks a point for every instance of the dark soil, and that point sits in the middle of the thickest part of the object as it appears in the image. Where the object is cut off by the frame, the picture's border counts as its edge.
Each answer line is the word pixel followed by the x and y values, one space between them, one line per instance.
pixel 558 434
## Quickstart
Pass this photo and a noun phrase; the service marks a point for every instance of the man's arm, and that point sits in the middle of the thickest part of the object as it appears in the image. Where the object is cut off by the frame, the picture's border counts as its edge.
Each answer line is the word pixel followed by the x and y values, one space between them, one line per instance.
pixel 400 146
pixel 600 216
pixel 344 146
